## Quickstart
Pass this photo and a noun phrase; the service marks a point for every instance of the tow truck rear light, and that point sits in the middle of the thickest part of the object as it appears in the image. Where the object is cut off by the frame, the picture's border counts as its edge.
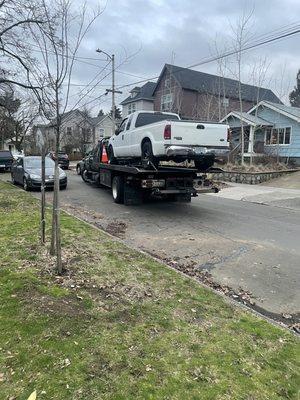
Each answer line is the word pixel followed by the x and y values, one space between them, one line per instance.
pixel 228 135
pixel 167 132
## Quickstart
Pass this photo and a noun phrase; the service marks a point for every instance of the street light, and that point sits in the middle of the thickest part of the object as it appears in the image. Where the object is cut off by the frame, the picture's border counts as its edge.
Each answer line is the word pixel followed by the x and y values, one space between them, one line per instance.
pixel 112 90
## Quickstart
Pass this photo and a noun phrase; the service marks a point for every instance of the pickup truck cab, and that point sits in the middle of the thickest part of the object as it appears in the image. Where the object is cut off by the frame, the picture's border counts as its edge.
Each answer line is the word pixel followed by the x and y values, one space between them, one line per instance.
pixel 161 136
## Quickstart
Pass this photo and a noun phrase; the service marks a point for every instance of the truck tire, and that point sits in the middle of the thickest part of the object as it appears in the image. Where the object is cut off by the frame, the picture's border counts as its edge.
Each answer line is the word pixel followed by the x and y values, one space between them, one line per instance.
pixel 25 185
pixel 111 157
pixel 117 188
pixel 205 162
pixel 147 153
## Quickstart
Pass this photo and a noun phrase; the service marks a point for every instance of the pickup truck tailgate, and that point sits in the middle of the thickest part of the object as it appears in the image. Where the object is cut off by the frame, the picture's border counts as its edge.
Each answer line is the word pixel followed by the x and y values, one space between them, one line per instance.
pixel 198 134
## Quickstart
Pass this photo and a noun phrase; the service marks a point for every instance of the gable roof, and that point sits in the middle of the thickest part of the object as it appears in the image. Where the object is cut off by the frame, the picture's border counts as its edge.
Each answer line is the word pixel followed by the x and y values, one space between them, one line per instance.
pixel 208 83
pixel 288 111
pixel 144 92
pixel 249 119
pixel 96 120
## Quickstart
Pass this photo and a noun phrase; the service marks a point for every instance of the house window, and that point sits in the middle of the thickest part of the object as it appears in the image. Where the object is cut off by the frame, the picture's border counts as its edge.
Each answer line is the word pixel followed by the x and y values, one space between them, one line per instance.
pixel 225 102
pixel 131 108
pixel 287 136
pixel 101 132
pixel 167 82
pixel 277 136
pixel 69 130
pixel 166 102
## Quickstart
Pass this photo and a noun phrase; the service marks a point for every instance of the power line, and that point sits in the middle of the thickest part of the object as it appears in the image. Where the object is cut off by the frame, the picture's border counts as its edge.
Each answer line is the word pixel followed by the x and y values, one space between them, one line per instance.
pixel 226 54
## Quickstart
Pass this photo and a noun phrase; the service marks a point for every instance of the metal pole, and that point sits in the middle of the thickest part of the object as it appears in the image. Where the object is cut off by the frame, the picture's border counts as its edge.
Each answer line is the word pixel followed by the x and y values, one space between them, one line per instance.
pixel 113 116
pixel 43 200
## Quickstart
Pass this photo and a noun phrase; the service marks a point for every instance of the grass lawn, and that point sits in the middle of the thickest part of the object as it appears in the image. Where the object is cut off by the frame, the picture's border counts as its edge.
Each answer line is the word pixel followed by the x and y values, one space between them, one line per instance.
pixel 121 326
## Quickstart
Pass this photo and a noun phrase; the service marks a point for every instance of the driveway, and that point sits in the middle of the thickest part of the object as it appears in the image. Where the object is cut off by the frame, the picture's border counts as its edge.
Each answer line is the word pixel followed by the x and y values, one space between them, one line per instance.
pixel 249 247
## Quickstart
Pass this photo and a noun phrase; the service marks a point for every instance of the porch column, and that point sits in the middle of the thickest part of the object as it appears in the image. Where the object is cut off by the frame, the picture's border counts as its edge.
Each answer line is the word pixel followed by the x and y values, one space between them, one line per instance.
pixel 251 140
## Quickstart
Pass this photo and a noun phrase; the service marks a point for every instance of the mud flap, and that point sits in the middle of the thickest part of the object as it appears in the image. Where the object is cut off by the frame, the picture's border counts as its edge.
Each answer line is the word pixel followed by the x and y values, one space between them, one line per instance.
pixel 132 196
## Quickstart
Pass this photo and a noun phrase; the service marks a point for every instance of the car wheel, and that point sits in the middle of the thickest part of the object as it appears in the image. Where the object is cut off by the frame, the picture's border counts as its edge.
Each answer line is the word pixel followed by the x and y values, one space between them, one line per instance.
pixel 111 156
pixel 78 170
pixel 117 188
pixel 205 162
pixel 147 154
pixel 63 187
pixel 25 185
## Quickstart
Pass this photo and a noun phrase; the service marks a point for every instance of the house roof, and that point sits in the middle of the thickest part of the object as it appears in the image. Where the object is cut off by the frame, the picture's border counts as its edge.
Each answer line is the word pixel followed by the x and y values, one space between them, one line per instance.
pixel 289 111
pixel 249 119
pixel 207 83
pixel 144 92
pixel 96 120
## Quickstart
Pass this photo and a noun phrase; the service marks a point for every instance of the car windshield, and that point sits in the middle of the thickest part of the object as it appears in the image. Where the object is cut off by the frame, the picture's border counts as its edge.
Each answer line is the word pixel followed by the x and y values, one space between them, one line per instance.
pixel 35 162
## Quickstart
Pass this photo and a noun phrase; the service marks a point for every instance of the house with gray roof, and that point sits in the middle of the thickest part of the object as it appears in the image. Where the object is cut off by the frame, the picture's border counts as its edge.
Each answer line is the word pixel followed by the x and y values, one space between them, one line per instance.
pixel 140 98
pixel 269 128
pixel 201 96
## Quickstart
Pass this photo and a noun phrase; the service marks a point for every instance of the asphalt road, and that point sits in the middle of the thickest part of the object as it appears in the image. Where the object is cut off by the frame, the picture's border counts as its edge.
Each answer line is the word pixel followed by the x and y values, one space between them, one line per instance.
pixel 241 244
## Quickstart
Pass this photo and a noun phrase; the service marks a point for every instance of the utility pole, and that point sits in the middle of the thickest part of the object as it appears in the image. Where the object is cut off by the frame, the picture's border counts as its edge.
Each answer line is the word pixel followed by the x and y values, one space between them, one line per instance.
pixel 112 90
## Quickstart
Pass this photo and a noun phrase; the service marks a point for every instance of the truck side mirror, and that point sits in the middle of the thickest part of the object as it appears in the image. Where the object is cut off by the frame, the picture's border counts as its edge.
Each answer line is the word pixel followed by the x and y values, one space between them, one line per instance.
pixel 117 131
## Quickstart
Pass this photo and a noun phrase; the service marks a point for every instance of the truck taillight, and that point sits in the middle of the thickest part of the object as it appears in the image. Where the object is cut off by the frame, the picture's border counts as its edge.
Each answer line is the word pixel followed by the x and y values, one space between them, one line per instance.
pixel 167 132
pixel 228 135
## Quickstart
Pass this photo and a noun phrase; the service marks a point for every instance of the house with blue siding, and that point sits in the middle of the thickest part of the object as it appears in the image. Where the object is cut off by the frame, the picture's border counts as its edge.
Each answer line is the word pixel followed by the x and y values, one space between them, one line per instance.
pixel 269 128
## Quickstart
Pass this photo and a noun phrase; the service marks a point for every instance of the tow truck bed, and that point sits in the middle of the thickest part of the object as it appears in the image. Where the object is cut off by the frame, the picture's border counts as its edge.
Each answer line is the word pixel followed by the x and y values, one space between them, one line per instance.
pixel 132 183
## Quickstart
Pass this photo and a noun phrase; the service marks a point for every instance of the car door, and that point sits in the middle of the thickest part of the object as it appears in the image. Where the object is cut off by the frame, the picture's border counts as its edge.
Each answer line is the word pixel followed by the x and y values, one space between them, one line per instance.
pixel 19 171
pixel 120 141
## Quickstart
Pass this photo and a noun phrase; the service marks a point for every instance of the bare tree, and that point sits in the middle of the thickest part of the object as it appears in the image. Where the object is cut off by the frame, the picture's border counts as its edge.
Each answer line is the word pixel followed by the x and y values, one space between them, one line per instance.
pixel 259 76
pixel 58 40
pixel 241 37
pixel 16 18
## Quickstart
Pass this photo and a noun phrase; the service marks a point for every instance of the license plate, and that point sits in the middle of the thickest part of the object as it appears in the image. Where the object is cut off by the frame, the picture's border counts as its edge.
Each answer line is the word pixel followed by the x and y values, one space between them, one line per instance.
pixel 200 150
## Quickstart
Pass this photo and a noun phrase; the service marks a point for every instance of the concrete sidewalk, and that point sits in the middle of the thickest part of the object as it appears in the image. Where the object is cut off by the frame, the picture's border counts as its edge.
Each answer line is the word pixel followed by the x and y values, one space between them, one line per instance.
pixel 276 196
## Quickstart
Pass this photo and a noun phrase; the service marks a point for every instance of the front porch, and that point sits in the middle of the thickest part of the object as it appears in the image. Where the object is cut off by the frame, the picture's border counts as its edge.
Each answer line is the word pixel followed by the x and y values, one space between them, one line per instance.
pixel 254 133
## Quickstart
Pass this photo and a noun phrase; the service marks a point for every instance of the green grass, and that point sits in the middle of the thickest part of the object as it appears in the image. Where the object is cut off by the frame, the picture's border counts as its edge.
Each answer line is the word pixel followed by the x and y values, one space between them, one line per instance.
pixel 121 326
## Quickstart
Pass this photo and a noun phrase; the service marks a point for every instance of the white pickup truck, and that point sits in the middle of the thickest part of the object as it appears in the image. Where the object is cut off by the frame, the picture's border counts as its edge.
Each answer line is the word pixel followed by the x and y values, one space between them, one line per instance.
pixel 159 136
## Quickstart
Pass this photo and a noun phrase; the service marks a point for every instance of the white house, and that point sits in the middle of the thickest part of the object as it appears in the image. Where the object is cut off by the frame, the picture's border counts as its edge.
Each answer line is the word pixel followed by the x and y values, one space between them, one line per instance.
pixel 140 98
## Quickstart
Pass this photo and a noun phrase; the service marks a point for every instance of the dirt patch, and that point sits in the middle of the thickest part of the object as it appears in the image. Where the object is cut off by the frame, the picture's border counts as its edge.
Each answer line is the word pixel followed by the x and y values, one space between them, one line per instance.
pixel 116 228
pixel 58 306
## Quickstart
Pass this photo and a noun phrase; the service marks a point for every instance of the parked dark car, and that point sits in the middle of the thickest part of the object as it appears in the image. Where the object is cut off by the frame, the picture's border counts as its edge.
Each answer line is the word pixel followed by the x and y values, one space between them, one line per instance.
pixel 80 165
pixel 63 159
pixel 6 160
pixel 27 172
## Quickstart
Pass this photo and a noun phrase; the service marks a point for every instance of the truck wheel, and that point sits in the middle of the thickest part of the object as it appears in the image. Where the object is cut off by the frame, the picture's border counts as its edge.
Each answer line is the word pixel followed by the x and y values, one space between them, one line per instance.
pixel 205 162
pixel 147 154
pixel 84 176
pixel 117 188
pixel 25 185
pixel 111 157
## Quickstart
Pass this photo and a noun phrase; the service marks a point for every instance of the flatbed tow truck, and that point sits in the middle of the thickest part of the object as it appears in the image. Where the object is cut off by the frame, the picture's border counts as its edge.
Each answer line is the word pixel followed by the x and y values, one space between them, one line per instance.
pixel 133 183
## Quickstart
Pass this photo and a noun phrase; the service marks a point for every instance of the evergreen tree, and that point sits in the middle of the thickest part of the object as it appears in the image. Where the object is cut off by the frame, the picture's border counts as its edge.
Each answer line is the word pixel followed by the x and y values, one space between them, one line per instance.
pixel 295 94
pixel 118 113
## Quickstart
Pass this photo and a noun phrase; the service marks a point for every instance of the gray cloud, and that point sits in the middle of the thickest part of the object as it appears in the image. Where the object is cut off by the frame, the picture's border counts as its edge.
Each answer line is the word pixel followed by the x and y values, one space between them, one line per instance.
pixel 187 28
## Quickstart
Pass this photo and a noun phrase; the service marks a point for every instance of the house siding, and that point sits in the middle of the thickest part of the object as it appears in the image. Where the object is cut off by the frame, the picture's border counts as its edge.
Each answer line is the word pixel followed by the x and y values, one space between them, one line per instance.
pixel 190 104
pixel 291 150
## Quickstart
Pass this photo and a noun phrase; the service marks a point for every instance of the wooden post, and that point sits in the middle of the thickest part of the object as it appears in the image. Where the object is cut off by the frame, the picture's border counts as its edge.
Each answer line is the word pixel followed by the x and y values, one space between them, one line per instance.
pixel 43 199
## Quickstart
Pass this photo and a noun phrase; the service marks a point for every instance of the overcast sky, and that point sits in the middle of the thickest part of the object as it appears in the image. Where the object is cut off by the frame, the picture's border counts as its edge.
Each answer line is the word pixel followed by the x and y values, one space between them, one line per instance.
pixel 146 34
